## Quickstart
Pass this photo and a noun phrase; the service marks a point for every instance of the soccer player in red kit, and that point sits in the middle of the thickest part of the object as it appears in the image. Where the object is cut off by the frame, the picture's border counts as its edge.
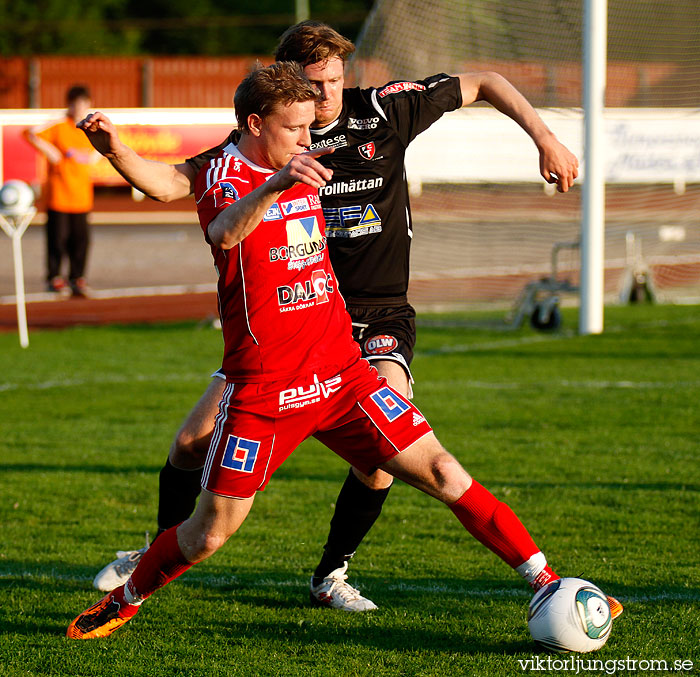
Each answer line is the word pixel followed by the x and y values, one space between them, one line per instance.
pixel 369 230
pixel 292 368
pixel 369 130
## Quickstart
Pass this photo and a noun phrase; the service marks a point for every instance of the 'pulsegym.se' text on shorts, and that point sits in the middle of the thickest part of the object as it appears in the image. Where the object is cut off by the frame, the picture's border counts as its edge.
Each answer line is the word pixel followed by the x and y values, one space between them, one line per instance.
pixel 354 413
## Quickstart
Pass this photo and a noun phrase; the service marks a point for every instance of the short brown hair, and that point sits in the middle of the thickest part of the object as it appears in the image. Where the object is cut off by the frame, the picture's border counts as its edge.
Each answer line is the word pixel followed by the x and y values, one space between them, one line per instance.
pixel 312 42
pixel 266 88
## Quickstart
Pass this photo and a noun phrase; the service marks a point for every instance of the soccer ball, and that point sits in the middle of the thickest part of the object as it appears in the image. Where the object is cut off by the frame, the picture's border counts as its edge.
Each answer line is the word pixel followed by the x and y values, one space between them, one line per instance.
pixel 16 198
pixel 570 614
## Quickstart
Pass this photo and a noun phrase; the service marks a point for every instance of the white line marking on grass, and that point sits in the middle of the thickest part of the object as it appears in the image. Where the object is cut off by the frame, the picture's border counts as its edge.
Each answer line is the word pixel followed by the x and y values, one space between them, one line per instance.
pixel 477 385
pixel 577 385
pixel 102 380
pixel 545 338
pixel 464 590
pixel 493 345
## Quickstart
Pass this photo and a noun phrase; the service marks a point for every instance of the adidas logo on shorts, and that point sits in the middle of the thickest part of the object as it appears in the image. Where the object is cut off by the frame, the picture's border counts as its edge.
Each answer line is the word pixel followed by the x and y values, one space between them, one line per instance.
pixel 417 419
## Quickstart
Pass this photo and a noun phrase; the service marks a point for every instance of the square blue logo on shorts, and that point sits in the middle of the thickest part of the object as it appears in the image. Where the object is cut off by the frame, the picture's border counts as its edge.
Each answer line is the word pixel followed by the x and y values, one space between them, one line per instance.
pixel 240 454
pixel 390 404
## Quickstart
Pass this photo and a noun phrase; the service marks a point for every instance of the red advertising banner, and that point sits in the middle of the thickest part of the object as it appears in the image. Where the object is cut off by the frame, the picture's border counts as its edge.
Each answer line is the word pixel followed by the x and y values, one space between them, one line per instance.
pixel 169 143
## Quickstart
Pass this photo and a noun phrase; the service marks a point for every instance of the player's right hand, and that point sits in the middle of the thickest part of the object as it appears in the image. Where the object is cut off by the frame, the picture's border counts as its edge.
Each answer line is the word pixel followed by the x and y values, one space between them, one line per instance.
pixel 305 168
pixel 101 133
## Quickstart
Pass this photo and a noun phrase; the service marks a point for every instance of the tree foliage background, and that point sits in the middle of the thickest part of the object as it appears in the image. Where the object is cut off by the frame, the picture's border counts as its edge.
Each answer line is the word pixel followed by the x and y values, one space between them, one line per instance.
pixel 225 27
pixel 166 27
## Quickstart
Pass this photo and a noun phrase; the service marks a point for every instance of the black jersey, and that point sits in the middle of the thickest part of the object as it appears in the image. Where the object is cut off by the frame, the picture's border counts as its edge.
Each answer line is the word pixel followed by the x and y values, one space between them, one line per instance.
pixel 366 205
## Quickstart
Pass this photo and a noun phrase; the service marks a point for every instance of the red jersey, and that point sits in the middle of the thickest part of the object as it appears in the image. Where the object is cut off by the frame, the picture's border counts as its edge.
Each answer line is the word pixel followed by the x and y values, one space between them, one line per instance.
pixel 281 312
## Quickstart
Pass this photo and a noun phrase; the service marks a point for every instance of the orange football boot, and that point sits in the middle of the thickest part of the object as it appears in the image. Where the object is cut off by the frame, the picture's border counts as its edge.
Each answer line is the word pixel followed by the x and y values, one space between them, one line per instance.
pixel 101 619
pixel 615 607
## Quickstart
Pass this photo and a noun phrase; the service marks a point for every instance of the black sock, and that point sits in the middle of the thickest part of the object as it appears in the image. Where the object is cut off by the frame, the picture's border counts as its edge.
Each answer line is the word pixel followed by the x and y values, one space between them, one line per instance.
pixel 177 495
pixel 356 510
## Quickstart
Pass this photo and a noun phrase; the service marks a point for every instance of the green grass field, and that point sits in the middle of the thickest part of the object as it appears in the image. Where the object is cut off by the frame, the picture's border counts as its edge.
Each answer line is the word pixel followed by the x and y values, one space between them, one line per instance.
pixel 593 441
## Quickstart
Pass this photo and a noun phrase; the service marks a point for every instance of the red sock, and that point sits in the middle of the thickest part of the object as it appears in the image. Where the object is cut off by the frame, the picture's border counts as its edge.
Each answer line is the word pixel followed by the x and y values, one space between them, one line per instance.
pixel 160 564
pixel 495 525
pixel 126 610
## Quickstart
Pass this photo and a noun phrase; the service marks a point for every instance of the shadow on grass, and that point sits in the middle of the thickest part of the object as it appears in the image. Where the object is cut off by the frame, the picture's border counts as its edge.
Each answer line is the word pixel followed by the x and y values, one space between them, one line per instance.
pixel 82 469
pixel 273 606
pixel 377 636
pixel 292 472
pixel 268 619
pixel 613 486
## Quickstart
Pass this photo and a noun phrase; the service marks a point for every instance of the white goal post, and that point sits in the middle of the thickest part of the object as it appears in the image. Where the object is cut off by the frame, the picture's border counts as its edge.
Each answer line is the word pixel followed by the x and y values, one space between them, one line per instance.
pixel 595 34
pixel 484 227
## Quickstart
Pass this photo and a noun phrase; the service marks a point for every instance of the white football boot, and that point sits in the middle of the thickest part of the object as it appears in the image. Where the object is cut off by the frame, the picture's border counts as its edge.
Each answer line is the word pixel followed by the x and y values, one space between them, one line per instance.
pixel 335 593
pixel 117 573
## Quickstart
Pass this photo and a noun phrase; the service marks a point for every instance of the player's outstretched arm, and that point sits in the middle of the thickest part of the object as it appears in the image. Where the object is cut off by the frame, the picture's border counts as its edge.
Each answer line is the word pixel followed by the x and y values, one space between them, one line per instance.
pixel 53 154
pixel 158 180
pixel 240 219
pixel 557 163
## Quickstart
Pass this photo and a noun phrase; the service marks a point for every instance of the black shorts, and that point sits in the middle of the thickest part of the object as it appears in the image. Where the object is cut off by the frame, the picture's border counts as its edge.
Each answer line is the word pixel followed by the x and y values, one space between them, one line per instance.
pixel 384 328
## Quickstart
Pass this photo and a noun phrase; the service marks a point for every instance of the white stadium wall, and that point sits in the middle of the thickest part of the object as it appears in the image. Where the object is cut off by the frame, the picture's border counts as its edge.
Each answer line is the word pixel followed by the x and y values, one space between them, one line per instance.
pixel 485 221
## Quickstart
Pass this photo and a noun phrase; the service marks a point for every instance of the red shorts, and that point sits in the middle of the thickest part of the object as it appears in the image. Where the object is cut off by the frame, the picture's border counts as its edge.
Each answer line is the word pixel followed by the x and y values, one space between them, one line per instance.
pixel 355 414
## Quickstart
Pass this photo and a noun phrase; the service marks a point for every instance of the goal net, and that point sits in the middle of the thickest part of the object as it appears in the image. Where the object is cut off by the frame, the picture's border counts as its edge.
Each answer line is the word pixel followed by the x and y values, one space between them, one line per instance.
pixel 486 224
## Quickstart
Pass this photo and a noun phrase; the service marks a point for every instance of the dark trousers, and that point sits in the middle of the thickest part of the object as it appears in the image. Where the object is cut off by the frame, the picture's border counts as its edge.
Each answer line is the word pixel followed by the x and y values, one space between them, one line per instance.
pixel 67 235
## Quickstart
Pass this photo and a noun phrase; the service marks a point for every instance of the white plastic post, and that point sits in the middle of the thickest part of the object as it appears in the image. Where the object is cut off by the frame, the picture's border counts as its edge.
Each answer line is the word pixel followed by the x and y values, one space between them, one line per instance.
pixel 15 226
pixel 593 195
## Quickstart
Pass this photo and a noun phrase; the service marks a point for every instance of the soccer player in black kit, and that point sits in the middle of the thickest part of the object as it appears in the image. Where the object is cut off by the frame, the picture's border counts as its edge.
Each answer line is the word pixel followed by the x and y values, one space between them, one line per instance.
pixel 369 230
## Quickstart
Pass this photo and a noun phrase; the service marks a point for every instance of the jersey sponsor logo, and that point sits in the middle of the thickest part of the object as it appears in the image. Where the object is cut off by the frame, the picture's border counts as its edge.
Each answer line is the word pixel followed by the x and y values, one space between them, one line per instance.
pixel 240 454
pixel 366 123
pixel 274 213
pixel 367 150
pixel 370 218
pixel 314 201
pixel 380 345
pixel 301 204
pixel 312 292
pixel 224 192
pixel 354 186
pixel 391 404
pixel 282 254
pixel 352 221
pixel 397 87
pixel 300 396
pixel 305 244
pixel 304 237
pixel 339 141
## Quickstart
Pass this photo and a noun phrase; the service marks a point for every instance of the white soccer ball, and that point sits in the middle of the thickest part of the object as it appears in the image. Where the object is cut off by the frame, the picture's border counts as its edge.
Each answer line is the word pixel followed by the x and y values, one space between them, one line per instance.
pixel 16 198
pixel 570 614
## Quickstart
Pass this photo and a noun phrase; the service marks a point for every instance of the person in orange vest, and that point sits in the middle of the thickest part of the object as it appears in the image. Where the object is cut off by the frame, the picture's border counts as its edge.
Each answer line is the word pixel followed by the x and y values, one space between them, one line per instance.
pixel 69 192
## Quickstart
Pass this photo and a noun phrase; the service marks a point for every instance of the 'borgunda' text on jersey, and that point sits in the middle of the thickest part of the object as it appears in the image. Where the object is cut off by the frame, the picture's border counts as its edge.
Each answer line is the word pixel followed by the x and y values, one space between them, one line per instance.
pixel 366 203
pixel 278 298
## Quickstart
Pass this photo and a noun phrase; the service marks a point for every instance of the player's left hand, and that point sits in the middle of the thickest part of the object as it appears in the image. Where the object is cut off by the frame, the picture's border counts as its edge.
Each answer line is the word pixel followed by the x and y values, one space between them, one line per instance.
pixel 558 164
